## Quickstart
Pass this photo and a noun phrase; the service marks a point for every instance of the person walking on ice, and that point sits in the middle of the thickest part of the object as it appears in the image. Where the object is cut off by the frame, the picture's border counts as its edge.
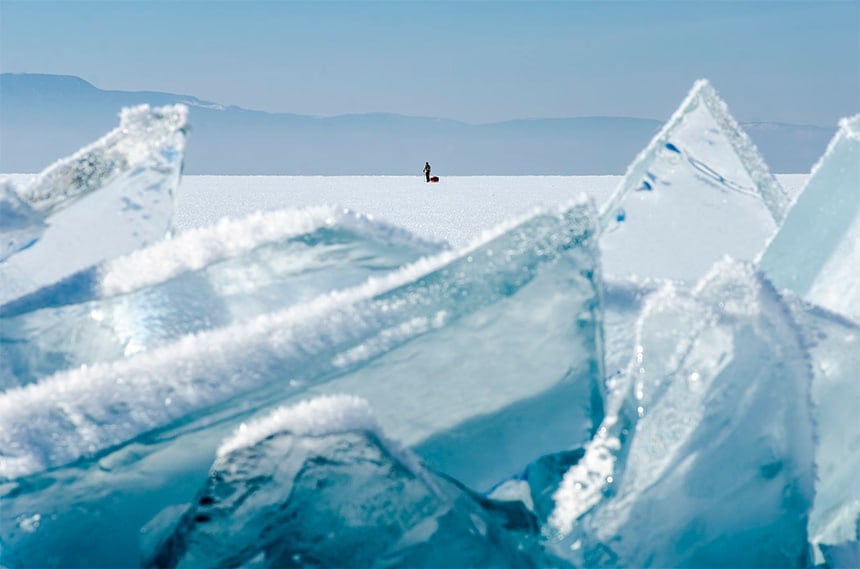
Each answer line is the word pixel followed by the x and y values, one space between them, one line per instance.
pixel 427 171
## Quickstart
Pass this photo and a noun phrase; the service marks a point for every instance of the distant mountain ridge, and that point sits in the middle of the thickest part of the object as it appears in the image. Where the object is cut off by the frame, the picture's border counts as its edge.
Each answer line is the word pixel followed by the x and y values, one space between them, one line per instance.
pixel 45 117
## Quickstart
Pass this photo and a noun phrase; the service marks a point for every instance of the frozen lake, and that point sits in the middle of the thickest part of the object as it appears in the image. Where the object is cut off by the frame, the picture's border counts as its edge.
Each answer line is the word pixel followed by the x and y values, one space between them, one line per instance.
pixel 456 209
pixel 208 373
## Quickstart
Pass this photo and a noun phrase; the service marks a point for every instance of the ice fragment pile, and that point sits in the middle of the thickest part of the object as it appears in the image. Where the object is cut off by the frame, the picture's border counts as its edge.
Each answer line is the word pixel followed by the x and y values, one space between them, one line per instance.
pixel 317 388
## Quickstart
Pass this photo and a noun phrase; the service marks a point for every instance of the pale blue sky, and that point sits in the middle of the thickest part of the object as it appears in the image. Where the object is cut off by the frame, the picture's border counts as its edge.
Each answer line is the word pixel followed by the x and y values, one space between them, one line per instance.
pixel 780 61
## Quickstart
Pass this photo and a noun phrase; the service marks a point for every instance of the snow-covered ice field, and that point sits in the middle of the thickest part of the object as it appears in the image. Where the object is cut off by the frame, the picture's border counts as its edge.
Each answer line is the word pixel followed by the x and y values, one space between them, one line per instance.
pixel 456 209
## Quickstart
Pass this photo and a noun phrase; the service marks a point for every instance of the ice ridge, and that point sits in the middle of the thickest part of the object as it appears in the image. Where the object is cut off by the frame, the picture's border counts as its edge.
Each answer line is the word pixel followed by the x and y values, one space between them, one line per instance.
pixel 198 248
pixel 202 279
pixel 85 411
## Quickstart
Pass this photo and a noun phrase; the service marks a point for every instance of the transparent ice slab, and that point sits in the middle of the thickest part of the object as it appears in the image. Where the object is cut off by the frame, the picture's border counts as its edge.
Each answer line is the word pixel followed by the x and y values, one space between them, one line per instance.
pixel 816 253
pixel 709 460
pixel 833 343
pixel 109 198
pixel 699 191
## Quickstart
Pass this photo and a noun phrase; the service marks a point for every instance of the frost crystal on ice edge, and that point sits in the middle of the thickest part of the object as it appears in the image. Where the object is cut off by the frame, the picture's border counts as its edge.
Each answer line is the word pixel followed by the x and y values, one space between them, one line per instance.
pixel 145 136
pixel 324 415
pixel 109 198
pixel 83 412
pixel 205 278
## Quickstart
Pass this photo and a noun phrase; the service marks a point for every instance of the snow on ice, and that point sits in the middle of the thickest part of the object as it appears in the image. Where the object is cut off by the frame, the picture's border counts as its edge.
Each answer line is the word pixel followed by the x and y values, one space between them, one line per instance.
pixel 202 279
pixel 318 387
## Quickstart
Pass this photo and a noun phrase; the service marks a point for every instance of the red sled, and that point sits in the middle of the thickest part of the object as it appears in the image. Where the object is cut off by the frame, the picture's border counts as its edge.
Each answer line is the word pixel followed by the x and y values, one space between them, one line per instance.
pixel 434 178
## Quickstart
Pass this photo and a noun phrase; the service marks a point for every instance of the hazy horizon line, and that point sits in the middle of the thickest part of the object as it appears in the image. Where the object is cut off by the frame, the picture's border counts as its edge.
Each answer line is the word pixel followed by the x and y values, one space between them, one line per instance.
pixel 226 106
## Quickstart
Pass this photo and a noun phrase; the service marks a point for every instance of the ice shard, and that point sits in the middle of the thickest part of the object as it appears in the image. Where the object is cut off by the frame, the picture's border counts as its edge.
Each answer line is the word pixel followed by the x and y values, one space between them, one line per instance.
pixel 482 339
pixel 623 302
pixel 205 278
pixel 109 198
pixel 833 343
pixel 816 253
pixel 700 189
pixel 709 459
pixel 506 365
pixel 319 484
